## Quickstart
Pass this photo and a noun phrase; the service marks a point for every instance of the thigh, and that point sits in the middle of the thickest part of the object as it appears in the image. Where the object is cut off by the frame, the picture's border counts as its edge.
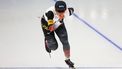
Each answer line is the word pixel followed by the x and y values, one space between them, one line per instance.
pixel 62 33
pixel 51 40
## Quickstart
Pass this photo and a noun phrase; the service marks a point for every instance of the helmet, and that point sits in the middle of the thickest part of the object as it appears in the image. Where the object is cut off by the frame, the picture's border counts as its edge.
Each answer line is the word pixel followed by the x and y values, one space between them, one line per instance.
pixel 60 6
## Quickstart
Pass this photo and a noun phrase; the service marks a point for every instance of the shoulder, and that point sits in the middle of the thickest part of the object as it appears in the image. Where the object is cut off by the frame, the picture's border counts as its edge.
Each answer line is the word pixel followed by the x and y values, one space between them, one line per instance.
pixel 49 14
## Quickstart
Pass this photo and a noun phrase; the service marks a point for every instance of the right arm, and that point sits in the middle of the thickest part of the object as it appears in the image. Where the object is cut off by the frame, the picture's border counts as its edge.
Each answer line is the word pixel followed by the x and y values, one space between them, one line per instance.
pixel 50 21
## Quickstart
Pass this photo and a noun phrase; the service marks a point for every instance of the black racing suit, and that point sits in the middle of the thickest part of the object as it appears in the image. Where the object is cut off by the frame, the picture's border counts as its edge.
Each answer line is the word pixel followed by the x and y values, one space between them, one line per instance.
pixel 60 31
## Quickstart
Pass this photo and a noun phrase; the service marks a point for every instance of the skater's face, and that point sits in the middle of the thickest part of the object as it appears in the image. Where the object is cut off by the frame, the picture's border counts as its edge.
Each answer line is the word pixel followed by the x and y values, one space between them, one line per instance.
pixel 60 15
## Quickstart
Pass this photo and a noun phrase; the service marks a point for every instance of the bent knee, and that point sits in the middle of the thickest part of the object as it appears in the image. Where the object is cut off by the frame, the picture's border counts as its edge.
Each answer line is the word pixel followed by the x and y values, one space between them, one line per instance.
pixel 53 46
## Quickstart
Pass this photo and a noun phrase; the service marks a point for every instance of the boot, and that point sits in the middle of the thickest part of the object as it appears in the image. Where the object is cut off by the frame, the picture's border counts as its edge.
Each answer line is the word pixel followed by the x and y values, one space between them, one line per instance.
pixel 70 63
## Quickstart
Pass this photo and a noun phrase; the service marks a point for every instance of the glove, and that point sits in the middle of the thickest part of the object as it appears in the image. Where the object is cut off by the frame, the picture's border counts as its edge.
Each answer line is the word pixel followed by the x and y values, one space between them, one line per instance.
pixel 54 26
pixel 51 28
pixel 71 10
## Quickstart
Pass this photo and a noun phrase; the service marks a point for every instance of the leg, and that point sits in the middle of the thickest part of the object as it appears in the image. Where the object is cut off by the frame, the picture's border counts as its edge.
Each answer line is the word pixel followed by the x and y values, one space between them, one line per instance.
pixel 62 34
pixel 50 40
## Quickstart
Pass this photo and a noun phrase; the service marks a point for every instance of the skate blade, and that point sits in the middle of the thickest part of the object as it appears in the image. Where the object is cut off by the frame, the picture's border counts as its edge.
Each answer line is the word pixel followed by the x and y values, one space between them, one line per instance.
pixel 72 68
pixel 50 55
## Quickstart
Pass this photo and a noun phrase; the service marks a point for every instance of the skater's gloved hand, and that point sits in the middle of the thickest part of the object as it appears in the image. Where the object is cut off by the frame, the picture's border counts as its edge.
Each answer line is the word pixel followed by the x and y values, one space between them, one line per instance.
pixel 71 10
pixel 51 28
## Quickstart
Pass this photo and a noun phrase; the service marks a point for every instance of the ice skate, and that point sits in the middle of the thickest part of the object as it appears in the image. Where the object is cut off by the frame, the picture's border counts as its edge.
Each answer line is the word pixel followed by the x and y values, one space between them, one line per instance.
pixel 70 64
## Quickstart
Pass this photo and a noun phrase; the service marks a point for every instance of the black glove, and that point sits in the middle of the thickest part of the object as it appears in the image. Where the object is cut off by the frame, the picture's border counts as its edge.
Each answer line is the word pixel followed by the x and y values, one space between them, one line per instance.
pixel 71 10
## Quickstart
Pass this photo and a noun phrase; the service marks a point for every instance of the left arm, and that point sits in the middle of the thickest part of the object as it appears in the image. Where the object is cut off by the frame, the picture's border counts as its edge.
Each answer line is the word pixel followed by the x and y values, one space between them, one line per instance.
pixel 71 11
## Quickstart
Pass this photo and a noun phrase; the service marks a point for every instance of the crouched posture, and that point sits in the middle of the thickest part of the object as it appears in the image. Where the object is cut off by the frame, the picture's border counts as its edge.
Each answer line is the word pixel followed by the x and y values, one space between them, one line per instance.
pixel 52 22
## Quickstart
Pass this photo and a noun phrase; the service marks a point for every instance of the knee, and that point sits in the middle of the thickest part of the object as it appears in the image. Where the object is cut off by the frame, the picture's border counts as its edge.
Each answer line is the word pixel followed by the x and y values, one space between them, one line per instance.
pixel 53 45
pixel 63 35
pixel 66 45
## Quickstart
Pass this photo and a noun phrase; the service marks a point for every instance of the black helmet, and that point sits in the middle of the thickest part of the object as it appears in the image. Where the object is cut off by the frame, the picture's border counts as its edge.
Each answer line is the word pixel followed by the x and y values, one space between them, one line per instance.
pixel 60 6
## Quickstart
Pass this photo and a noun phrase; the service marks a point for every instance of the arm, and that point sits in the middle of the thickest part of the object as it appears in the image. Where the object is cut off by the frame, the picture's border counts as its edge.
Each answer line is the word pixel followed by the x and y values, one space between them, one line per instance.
pixel 52 25
pixel 50 21
pixel 50 17
pixel 71 11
